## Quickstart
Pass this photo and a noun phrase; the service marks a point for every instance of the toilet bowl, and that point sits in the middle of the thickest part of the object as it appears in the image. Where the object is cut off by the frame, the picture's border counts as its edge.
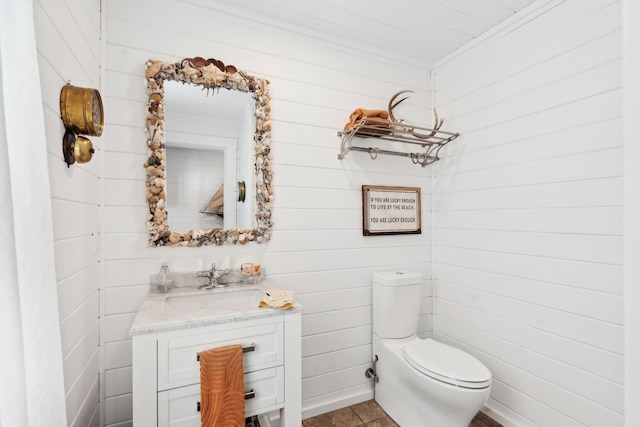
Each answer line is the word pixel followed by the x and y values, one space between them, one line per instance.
pixel 421 382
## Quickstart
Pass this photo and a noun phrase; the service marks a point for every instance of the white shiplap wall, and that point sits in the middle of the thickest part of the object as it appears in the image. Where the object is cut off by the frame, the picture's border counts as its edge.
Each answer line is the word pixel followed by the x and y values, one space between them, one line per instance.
pixel 69 50
pixel 317 247
pixel 528 213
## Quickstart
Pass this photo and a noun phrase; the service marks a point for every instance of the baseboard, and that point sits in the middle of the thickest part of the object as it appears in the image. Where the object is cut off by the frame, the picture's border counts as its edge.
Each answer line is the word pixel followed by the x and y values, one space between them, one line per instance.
pixel 340 399
pixel 504 415
pixel 498 417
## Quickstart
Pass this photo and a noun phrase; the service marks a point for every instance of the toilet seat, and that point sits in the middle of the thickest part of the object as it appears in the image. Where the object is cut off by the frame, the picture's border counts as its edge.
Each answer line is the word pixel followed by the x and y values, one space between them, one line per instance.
pixel 447 364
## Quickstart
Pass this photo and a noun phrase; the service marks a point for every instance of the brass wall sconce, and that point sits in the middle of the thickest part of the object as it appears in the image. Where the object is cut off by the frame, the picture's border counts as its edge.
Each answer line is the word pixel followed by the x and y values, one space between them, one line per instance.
pixel 82 112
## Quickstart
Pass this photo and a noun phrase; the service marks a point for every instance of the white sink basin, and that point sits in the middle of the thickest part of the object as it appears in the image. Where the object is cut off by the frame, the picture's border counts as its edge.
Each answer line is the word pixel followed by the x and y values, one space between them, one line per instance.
pixel 226 301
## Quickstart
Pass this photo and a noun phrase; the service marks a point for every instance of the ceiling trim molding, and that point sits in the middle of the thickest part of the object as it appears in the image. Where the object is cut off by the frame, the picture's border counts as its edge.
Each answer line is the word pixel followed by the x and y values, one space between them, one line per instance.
pixel 520 18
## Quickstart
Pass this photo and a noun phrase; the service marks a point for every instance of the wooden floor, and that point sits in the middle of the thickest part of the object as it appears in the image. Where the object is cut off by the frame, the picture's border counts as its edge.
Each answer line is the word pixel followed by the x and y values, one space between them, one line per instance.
pixel 369 414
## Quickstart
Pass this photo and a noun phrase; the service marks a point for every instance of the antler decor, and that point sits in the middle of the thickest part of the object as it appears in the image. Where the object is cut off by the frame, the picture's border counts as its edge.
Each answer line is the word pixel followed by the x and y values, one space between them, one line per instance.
pixel 437 122
pixel 387 126
pixel 393 104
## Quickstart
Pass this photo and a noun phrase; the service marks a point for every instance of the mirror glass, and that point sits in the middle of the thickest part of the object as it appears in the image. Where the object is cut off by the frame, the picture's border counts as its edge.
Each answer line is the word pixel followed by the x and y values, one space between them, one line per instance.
pixel 208 171
pixel 209 147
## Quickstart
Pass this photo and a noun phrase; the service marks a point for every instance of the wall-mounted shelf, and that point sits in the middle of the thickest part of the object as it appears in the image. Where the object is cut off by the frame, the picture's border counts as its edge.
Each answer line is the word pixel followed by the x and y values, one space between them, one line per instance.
pixel 429 140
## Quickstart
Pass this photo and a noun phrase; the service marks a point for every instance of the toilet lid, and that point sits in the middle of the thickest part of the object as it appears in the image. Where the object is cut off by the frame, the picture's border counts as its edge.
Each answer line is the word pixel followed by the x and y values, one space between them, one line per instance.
pixel 447 364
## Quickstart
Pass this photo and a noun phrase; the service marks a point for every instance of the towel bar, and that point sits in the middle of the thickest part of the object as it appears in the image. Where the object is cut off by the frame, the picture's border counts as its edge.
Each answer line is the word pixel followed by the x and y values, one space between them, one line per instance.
pixel 247 395
pixel 247 349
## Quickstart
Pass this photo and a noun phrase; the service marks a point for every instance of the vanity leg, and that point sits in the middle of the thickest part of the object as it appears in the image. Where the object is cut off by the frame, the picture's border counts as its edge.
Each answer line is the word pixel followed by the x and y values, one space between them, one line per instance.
pixel 145 376
pixel 291 414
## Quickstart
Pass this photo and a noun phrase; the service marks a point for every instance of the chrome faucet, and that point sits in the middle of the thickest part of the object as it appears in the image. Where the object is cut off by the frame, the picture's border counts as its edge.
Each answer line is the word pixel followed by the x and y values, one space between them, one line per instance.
pixel 213 275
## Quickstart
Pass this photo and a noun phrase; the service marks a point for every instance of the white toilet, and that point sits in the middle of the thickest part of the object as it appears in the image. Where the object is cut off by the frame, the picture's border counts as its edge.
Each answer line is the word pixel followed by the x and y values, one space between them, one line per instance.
pixel 421 382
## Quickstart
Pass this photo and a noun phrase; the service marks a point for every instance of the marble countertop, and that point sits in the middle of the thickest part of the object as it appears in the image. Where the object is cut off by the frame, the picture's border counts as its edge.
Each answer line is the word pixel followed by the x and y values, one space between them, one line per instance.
pixel 187 307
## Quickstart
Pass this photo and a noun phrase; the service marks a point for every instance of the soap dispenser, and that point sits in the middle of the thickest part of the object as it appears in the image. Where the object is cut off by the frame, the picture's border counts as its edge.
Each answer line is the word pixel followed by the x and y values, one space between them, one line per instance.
pixel 165 282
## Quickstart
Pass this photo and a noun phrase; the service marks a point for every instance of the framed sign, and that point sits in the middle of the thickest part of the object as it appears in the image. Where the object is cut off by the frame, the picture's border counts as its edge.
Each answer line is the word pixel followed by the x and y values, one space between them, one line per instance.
pixel 390 210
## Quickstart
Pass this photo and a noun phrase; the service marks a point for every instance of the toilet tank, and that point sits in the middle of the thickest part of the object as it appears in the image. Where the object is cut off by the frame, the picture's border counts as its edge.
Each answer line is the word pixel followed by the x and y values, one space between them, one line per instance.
pixel 396 303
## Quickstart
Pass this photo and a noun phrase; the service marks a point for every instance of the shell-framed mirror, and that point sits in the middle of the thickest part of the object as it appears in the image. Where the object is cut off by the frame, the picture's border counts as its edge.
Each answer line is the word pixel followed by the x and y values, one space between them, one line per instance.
pixel 210 77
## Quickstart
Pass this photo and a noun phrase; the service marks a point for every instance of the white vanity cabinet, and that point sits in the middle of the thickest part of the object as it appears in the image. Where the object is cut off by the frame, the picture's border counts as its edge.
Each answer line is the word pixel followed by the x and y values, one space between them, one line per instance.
pixel 166 370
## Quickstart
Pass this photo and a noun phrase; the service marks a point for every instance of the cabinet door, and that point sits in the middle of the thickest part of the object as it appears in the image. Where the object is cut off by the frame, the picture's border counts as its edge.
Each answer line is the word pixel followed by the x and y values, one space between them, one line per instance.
pixel 177 355
pixel 179 407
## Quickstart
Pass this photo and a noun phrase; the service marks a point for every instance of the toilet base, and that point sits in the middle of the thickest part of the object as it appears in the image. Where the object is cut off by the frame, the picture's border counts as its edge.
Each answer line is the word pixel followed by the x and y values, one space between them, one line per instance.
pixel 413 399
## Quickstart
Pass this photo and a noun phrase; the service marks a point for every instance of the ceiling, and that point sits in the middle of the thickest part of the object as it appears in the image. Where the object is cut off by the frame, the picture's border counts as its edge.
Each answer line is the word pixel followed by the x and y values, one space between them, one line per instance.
pixel 418 32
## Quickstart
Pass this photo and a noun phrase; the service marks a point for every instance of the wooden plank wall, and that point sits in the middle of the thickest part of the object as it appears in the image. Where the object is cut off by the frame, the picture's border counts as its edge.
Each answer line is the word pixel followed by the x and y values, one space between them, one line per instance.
pixel 528 213
pixel 69 50
pixel 317 247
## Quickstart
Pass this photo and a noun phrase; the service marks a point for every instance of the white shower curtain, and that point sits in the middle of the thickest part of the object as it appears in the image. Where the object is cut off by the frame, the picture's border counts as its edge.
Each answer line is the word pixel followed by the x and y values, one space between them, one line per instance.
pixel 31 377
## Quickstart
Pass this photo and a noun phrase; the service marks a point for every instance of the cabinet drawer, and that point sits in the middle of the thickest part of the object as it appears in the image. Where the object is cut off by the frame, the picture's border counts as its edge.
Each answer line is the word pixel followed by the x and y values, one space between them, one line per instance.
pixel 179 407
pixel 177 356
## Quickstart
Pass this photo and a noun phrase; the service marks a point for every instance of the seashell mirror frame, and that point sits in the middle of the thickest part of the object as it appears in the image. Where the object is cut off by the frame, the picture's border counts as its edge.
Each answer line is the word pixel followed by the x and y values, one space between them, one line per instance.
pixel 210 74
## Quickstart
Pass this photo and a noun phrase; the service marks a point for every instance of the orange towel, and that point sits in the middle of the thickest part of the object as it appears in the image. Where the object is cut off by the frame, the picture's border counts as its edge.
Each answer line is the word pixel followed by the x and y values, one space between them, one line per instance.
pixel 361 113
pixel 222 387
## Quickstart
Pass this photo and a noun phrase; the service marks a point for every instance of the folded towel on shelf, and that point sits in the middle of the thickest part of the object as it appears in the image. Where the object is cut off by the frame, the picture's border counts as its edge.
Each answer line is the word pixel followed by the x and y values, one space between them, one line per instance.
pixel 359 114
pixel 222 387
pixel 277 298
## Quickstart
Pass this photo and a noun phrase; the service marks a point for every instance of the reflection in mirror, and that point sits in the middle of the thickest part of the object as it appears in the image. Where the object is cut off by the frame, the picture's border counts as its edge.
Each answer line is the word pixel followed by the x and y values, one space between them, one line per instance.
pixel 209 147
pixel 211 140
